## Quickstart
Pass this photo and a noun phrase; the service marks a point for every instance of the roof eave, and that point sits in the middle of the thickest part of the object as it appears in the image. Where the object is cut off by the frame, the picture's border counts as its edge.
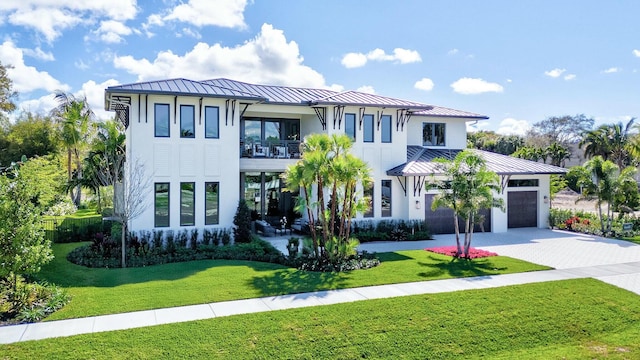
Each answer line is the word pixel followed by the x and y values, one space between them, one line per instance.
pixel 181 93
pixel 394 106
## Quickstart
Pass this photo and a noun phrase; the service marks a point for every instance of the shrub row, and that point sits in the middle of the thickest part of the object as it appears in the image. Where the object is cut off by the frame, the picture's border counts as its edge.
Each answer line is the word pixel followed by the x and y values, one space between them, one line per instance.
pixel 395 230
pixel 589 223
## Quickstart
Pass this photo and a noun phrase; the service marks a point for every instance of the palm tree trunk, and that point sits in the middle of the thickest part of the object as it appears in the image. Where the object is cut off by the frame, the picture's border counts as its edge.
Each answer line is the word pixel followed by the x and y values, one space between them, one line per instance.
pixel 456 226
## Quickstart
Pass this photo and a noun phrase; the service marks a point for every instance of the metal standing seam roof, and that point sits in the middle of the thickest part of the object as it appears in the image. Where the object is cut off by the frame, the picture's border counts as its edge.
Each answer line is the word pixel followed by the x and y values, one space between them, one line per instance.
pixel 182 87
pixel 274 93
pixel 420 163
pixel 285 95
pixel 365 99
pixel 447 112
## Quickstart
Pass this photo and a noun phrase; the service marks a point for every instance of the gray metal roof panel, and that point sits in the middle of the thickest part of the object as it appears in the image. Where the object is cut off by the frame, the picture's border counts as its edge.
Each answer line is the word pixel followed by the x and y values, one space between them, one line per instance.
pixel 366 99
pixel 181 87
pixel 447 112
pixel 274 93
pixel 420 163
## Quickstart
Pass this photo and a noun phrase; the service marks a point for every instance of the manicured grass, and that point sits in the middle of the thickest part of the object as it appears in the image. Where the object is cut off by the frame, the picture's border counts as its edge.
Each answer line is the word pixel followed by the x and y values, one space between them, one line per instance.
pixel 635 239
pixel 107 291
pixel 572 319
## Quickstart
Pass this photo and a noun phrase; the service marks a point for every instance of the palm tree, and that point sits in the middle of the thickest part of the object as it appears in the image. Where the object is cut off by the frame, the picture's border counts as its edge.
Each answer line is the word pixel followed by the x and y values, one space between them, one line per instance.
pixel 74 117
pixel 612 142
pixel 336 174
pixel 468 187
pixel 605 184
pixel 558 154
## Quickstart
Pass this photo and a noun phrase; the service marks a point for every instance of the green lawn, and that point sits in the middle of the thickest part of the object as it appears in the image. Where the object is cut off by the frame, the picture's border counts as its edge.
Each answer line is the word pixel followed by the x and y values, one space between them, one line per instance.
pixel 107 291
pixel 572 319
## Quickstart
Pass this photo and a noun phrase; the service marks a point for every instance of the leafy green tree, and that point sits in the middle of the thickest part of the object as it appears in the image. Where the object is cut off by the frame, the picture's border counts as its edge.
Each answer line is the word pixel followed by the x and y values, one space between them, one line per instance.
pixel 531 153
pixel 23 247
pixel 467 187
pixel 48 176
pixel 7 95
pixel 490 141
pixel 31 135
pixel 74 117
pixel 327 166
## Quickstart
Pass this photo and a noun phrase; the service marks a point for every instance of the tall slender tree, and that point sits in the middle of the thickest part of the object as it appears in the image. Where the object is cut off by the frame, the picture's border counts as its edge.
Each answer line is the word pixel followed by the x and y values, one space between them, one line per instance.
pixel 74 117
pixel 467 187
pixel 327 166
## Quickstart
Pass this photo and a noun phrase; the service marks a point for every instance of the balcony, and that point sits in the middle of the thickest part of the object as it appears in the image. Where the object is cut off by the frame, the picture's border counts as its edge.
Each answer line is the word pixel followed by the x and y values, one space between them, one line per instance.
pixel 270 149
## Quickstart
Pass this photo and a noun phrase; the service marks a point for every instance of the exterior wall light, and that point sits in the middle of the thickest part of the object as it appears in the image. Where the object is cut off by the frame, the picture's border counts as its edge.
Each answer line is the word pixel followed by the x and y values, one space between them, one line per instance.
pixel 417 204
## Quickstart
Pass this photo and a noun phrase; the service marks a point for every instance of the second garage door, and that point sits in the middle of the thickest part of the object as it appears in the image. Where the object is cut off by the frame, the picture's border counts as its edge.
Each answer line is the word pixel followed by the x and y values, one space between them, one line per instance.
pixel 522 208
pixel 440 221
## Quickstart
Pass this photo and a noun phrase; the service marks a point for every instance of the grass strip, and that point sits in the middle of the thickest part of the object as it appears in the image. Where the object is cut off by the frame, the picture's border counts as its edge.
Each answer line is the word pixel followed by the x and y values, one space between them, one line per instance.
pixel 571 319
pixel 109 291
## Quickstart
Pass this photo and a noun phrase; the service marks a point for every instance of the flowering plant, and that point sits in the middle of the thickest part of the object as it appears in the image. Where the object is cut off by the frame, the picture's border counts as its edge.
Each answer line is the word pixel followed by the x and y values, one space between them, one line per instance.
pixel 451 251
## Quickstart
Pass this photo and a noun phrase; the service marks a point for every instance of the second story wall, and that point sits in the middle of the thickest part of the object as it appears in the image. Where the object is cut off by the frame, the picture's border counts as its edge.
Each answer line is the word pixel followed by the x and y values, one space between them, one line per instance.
pixel 438 132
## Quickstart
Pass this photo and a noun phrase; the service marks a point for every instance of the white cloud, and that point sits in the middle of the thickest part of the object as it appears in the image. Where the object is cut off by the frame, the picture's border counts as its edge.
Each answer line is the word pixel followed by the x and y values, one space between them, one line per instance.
pixel 570 77
pixel 39 54
pixel 223 13
pixel 425 84
pixel 26 78
pixel 399 56
pixel 267 58
pixel 366 89
pixel 42 105
pixel 95 97
pixel 51 18
pixel 354 60
pixel 453 52
pixel 336 87
pixel 511 126
pixel 190 33
pixel 469 86
pixel 636 53
pixel 112 31
pixel 555 72
pixel 611 70
pixel 81 65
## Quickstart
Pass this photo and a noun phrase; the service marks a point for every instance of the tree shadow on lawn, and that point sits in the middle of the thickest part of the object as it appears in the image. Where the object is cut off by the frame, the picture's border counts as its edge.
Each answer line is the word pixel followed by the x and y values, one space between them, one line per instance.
pixel 298 281
pixel 68 274
pixel 459 267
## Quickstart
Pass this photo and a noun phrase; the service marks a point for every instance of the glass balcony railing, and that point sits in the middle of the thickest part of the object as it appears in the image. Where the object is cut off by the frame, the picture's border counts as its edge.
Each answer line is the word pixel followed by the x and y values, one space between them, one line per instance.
pixel 270 149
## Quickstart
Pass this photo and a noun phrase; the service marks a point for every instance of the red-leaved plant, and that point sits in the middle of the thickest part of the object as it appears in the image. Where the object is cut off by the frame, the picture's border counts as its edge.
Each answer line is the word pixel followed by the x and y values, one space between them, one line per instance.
pixel 451 251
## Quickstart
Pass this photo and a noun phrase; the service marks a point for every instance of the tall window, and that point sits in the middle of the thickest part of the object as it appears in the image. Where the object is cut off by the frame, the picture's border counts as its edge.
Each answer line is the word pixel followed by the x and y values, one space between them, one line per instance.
pixel 211 122
pixel 187 204
pixel 368 128
pixel 350 125
pixel 211 203
pixel 187 121
pixel 161 204
pixel 368 192
pixel 161 120
pixel 386 128
pixel 433 134
pixel 385 203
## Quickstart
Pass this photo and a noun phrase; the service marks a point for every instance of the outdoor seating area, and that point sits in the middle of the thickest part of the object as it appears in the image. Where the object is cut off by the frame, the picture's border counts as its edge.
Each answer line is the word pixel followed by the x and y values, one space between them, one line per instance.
pixel 280 150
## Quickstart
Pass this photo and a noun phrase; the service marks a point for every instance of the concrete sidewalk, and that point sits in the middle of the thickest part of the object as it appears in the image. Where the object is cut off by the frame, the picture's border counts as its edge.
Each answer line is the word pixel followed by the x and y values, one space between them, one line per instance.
pixel 615 262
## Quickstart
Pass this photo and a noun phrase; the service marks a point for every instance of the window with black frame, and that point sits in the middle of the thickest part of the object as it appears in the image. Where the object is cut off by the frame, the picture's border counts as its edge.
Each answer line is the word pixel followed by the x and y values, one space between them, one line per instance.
pixel 433 134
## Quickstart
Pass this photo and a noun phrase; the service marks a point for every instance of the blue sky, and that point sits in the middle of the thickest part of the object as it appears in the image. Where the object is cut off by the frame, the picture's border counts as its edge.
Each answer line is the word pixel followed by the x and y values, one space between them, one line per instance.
pixel 517 62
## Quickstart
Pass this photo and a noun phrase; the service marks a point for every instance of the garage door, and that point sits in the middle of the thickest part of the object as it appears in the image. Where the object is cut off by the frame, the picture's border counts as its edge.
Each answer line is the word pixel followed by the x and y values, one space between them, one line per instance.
pixel 440 221
pixel 522 208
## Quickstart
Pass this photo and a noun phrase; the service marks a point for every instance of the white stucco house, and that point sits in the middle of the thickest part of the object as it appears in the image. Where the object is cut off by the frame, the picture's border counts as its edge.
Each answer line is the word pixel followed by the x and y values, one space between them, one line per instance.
pixel 207 144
